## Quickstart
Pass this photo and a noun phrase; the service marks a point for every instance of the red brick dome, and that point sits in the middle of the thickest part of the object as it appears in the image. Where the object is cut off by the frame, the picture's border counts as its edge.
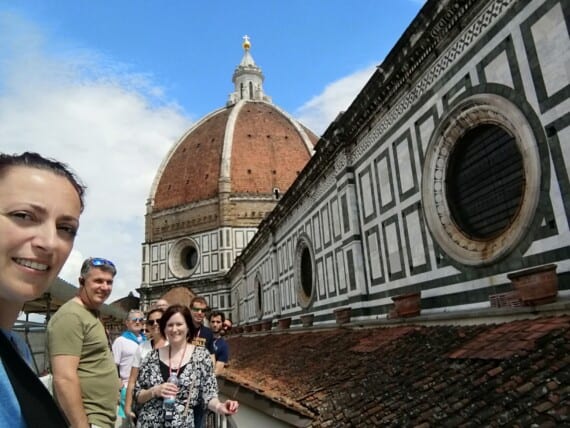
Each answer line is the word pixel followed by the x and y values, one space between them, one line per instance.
pixel 252 145
pixel 217 184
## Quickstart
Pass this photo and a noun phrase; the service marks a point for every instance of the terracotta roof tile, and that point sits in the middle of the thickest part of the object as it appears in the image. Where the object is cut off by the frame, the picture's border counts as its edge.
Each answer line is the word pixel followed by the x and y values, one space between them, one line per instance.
pixel 514 374
pixel 509 339
pixel 267 152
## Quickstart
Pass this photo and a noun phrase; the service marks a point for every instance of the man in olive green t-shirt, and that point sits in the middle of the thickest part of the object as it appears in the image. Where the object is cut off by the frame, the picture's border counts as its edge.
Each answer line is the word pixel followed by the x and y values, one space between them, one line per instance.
pixel 85 378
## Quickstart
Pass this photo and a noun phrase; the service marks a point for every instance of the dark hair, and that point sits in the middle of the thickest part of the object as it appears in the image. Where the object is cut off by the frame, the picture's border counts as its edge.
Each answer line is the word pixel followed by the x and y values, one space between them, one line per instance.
pixel 153 311
pixel 198 299
pixel 103 264
pixel 35 160
pixel 217 314
pixel 182 310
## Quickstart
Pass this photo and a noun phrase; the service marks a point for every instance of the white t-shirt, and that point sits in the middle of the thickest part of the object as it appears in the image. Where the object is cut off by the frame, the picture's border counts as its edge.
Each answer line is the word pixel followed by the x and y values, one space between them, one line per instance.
pixel 123 351
pixel 141 352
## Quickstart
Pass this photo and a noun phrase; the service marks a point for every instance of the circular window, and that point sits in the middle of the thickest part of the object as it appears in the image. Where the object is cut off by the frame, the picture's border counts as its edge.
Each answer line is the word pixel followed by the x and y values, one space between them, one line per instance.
pixel 485 181
pixel 304 271
pixel 481 181
pixel 183 258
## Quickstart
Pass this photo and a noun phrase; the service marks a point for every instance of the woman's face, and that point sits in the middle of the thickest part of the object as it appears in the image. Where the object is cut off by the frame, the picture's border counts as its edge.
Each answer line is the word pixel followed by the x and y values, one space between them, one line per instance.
pixel 152 325
pixel 39 218
pixel 176 329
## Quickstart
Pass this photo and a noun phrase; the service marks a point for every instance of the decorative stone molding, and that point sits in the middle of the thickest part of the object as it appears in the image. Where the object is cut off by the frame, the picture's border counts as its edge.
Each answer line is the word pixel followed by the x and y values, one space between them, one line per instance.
pixel 305 271
pixel 447 59
pixel 473 111
pixel 181 256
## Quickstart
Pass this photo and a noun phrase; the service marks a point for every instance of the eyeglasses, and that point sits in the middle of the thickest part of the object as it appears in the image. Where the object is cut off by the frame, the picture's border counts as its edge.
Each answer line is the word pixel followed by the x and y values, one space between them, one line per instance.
pixel 152 322
pixel 137 319
pixel 202 310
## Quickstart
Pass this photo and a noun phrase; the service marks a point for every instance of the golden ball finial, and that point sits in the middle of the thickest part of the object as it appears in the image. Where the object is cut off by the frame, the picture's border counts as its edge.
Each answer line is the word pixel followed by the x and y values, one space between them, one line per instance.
pixel 246 43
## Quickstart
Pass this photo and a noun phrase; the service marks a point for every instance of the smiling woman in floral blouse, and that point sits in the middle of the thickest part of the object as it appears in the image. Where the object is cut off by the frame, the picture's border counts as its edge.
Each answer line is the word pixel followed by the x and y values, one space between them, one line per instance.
pixel 194 371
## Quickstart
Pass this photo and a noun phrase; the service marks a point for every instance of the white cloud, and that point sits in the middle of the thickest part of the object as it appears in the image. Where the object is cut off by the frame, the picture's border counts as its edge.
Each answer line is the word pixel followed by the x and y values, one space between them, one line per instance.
pixel 111 126
pixel 322 109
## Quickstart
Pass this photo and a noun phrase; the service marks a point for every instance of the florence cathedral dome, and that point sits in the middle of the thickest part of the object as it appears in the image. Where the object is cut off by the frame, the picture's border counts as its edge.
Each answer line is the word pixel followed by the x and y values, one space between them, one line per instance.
pixel 218 182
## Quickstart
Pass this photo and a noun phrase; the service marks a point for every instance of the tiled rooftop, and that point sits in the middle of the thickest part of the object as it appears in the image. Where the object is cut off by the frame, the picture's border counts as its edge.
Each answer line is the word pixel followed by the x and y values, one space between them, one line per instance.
pixel 514 374
pixel 267 152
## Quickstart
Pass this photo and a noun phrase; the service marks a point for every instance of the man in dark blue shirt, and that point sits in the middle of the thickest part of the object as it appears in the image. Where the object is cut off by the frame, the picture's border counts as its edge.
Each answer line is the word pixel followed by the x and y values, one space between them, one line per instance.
pixel 204 338
pixel 221 350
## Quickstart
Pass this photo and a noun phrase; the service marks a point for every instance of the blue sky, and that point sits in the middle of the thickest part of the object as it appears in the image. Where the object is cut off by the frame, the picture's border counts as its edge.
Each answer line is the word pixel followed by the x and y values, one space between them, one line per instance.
pixel 110 86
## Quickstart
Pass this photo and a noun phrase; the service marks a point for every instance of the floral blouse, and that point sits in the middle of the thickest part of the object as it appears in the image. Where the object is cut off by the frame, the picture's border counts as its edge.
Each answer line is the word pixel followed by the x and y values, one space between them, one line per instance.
pixel 196 381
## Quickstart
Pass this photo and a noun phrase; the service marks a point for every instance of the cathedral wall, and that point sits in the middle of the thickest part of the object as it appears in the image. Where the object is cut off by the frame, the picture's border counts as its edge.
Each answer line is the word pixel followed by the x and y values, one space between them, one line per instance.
pixel 172 223
pixel 376 223
pixel 197 261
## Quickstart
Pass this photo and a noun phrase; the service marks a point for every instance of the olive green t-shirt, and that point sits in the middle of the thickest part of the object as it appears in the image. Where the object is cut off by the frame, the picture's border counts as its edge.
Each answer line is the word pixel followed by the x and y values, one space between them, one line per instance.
pixel 75 330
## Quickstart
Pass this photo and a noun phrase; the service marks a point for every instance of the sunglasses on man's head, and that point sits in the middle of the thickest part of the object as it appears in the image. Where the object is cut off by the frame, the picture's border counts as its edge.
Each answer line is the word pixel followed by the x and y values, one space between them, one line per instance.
pixel 97 261
pixel 202 310
pixel 153 322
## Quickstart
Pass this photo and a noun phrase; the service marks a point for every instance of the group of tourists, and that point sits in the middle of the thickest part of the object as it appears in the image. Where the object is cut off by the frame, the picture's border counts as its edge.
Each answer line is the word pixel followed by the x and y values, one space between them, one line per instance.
pixel 167 379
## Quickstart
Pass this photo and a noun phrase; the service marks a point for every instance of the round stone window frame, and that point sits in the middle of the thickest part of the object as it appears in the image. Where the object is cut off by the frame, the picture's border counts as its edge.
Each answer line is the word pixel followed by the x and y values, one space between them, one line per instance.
pixel 175 263
pixel 304 243
pixel 468 113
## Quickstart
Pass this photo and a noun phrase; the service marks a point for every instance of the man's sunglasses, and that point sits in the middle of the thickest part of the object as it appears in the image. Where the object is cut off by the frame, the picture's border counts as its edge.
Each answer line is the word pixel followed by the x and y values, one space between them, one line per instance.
pixel 137 319
pixel 97 261
pixel 153 322
pixel 202 310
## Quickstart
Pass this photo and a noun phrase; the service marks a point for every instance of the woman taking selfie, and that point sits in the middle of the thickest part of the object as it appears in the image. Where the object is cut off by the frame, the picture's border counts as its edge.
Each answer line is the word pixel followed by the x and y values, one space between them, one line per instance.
pixel 41 201
pixel 172 378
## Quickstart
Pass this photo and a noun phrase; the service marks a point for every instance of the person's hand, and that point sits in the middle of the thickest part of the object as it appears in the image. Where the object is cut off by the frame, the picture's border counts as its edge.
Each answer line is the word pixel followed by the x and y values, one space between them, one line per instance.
pixel 228 407
pixel 165 389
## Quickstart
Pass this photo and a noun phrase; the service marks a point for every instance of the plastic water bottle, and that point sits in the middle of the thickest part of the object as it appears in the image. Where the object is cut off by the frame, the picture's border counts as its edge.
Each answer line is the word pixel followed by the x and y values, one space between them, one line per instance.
pixel 168 402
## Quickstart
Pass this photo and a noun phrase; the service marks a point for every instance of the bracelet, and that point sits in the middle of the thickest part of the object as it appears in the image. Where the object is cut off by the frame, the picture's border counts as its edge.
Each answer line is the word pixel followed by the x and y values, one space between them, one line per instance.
pixel 152 392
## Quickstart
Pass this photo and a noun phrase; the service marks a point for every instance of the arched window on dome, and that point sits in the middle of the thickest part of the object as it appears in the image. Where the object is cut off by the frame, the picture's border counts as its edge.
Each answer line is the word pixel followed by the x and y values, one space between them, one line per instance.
pixel 251 90
pixel 241 91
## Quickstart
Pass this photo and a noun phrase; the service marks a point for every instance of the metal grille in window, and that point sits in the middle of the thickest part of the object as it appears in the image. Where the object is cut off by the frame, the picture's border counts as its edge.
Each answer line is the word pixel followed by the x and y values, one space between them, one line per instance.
pixel 485 182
